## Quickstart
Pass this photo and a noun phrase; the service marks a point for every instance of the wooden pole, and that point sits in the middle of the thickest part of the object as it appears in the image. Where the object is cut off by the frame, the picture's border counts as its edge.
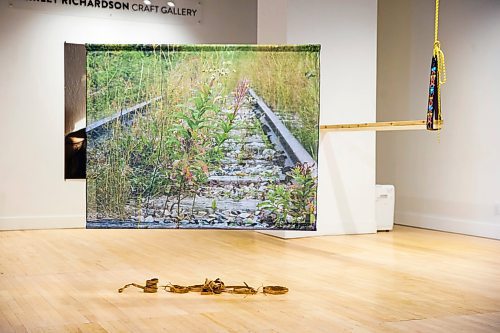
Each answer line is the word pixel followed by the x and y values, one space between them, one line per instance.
pixel 404 125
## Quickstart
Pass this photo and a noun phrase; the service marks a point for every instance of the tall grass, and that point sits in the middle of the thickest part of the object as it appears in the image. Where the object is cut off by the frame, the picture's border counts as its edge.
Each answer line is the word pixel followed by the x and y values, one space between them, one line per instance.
pixel 120 79
pixel 169 149
pixel 117 80
pixel 289 83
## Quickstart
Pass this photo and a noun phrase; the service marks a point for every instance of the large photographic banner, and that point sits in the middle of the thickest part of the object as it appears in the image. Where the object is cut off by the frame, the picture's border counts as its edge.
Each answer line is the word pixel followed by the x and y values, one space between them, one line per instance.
pixel 202 136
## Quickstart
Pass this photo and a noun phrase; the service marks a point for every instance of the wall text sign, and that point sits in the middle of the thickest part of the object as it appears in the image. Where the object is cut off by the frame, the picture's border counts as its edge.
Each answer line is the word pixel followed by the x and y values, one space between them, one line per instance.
pixel 184 11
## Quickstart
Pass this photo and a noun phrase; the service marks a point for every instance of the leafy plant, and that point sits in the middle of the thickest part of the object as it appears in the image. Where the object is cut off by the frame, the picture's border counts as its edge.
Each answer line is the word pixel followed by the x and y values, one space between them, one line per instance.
pixel 277 203
pixel 303 193
pixel 294 202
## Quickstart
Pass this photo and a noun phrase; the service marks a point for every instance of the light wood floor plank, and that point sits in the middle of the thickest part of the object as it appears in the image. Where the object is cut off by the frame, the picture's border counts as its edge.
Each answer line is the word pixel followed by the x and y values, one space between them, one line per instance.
pixel 408 280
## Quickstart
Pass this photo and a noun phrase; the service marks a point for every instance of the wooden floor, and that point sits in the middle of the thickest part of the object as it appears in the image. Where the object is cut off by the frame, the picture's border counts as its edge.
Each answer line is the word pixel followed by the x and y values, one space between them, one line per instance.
pixel 409 280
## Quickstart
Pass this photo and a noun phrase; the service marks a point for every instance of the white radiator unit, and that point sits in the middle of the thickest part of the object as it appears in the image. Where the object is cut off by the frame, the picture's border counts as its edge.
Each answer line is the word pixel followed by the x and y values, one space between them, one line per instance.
pixel 384 207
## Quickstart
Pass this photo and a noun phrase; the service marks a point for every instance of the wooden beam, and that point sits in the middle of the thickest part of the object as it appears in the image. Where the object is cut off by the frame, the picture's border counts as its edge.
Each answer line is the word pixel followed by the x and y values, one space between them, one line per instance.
pixel 404 125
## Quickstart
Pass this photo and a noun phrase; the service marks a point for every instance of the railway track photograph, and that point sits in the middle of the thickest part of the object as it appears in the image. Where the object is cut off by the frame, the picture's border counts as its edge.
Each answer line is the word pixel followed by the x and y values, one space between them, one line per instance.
pixel 202 136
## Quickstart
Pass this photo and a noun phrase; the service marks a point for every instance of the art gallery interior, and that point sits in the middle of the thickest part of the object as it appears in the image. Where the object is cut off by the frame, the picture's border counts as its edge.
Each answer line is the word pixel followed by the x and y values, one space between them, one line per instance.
pixel 406 221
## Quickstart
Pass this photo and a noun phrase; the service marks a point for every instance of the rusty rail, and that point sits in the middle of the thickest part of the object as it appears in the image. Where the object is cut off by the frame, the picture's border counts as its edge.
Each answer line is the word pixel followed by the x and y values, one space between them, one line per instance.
pixel 101 126
pixel 293 148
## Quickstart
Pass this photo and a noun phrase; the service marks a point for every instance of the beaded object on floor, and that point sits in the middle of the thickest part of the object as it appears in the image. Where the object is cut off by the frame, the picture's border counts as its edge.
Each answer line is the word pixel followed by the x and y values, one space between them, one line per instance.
pixel 210 287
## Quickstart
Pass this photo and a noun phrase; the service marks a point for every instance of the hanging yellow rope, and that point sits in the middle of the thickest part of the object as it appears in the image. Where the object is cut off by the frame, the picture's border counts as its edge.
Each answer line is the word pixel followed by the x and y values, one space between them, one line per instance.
pixel 437 48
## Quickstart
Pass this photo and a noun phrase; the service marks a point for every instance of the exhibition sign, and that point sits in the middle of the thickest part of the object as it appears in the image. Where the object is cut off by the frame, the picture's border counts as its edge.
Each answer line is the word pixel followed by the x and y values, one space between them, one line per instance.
pixel 202 136
pixel 178 11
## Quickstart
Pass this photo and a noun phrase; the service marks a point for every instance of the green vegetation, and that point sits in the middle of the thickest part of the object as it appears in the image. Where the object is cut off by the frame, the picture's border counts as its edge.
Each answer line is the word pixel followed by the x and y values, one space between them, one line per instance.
pixel 171 147
pixel 289 83
pixel 294 202
pixel 120 79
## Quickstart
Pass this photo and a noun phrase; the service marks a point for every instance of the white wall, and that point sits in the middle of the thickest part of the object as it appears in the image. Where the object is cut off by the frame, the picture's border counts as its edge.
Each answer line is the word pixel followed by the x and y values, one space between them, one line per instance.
pixel 271 21
pixel 452 182
pixel 33 193
pixel 347 32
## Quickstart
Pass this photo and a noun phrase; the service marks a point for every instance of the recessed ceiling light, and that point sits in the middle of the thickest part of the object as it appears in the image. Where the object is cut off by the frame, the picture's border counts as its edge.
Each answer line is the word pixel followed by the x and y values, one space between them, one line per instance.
pixel 147 2
pixel 171 4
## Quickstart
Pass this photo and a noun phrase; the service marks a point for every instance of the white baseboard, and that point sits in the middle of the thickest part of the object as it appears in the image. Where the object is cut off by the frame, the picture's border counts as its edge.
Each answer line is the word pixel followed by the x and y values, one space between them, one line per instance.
pixel 41 222
pixel 441 223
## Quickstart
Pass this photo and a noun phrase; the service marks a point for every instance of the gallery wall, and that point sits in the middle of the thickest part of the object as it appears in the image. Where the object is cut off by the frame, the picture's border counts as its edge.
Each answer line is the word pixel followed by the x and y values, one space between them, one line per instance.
pixel 448 181
pixel 33 193
pixel 271 21
pixel 346 31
